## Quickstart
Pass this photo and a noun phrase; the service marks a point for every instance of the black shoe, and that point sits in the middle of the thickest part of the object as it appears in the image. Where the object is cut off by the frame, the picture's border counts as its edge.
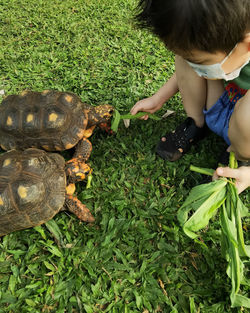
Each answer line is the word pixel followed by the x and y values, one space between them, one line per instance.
pixel 224 160
pixel 179 141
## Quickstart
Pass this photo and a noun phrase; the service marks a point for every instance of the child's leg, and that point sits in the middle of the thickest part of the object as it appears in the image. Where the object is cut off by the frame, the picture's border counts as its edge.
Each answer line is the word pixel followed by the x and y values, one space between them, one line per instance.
pixel 239 128
pixel 193 90
pixel 235 128
pixel 215 89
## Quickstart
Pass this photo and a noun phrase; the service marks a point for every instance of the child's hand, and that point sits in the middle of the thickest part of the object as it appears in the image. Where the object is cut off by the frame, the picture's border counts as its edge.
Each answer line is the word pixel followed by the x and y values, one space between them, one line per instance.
pixel 150 105
pixel 241 175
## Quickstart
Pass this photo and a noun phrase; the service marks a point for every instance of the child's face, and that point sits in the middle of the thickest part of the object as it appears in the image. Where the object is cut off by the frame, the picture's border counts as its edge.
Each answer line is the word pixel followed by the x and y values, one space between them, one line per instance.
pixel 201 61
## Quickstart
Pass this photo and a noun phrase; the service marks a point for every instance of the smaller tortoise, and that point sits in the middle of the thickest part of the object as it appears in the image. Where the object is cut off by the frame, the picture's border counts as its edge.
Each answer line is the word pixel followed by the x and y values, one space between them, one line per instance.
pixel 51 120
pixel 34 187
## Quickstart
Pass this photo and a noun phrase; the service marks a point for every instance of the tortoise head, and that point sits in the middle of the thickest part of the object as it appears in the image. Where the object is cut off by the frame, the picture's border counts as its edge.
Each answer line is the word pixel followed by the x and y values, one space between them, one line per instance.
pixel 100 114
pixel 76 170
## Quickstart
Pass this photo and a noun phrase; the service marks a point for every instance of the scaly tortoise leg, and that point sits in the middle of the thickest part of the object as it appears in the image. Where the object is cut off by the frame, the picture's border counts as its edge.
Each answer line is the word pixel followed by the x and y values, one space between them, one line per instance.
pixel 83 150
pixel 77 170
pixel 75 206
pixel 88 131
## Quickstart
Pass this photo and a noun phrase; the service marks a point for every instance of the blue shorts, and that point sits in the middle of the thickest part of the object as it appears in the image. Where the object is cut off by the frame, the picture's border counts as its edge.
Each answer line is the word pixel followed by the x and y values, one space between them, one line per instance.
pixel 218 116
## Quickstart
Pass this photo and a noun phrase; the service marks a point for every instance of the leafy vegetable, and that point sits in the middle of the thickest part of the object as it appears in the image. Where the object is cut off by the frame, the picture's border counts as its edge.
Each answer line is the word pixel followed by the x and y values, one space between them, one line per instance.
pixel 205 200
pixel 117 117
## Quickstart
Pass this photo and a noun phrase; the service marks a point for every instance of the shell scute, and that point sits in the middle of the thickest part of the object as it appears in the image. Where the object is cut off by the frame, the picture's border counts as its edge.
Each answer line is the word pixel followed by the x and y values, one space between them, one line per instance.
pixel 28 194
pixel 31 120
pixel 6 207
pixel 68 99
pixel 54 119
pixel 10 120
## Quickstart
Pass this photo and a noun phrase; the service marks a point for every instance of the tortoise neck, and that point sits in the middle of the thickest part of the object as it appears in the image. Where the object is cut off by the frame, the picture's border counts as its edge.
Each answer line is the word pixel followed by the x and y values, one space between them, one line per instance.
pixel 91 116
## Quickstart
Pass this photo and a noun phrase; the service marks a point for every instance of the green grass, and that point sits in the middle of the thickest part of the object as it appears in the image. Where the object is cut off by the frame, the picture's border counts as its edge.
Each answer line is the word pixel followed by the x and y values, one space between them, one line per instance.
pixel 135 258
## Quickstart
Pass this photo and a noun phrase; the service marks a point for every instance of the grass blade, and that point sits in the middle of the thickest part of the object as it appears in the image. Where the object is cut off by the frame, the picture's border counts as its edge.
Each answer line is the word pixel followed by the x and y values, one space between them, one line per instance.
pixel 55 231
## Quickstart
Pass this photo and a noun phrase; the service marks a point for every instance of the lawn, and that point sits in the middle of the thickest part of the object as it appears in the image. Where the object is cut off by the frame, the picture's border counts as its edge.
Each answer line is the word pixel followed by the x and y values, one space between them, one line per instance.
pixel 135 258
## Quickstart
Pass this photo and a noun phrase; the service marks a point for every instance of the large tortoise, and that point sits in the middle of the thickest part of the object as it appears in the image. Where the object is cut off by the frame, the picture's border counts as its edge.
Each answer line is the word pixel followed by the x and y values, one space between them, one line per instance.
pixel 51 120
pixel 34 187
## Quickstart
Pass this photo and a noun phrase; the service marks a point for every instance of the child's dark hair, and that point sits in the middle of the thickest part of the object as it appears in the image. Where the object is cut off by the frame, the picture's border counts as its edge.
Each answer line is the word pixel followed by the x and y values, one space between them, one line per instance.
pixel 186 25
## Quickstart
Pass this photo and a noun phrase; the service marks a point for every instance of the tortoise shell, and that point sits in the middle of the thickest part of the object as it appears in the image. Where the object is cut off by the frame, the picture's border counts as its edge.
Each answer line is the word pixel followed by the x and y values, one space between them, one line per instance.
pixel 51 120
pixel 32 188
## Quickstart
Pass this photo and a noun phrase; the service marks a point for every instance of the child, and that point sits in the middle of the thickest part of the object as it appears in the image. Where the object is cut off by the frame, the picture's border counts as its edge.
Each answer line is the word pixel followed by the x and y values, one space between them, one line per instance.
pixel 211 40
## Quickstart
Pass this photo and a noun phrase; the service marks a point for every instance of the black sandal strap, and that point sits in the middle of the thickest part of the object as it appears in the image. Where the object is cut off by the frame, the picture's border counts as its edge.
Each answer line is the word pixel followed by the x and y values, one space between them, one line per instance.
pixel 179 141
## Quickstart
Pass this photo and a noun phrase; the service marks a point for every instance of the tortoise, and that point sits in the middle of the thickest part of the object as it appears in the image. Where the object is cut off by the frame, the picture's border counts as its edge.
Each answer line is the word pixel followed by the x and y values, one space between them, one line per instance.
pixel 34 187
pixel 51 120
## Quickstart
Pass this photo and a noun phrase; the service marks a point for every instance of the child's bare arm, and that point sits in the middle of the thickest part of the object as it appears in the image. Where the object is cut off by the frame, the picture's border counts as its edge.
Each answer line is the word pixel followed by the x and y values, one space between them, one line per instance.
pixel 155 102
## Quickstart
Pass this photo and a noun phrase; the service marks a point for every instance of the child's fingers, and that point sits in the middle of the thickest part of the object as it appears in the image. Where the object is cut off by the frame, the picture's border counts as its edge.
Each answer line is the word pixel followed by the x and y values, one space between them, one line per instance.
pixel 232 173
pixel 227 172
pixel 134 110
pixel 138 107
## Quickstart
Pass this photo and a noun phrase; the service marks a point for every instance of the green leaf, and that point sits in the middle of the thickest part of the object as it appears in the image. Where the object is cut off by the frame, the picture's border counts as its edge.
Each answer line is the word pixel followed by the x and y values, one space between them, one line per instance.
pixel 243 249
pixel 198 195
pixel 202 216
pixel 115 120
pixel 235 265
pixel 228 227
pixel 204 190
pixel 239 300
pixel 117 117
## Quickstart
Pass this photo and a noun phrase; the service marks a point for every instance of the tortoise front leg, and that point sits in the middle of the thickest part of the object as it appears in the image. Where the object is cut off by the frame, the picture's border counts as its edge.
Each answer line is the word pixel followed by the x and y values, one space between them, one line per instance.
pixel 88 131
pixel 75 206
pixel 76 170
pixel 83 150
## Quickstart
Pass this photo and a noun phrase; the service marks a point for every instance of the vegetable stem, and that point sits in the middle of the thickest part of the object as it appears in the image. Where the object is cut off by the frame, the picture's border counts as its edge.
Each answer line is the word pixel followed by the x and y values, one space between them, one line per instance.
pixel 202 170
pixel 138 115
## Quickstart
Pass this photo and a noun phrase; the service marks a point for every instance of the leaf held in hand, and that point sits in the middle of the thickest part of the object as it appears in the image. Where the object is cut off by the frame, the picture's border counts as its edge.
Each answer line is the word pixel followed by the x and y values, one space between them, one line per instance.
pixel 117 117
pixel 204 201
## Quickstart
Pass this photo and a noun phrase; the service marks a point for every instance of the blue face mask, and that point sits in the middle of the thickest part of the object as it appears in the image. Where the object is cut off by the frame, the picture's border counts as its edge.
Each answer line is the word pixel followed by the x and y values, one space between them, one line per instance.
pixel 215 71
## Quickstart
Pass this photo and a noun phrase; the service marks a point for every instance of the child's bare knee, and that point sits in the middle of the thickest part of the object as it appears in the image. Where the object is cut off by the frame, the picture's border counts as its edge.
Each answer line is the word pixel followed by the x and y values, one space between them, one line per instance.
pixel 241 149
pixel 239 128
